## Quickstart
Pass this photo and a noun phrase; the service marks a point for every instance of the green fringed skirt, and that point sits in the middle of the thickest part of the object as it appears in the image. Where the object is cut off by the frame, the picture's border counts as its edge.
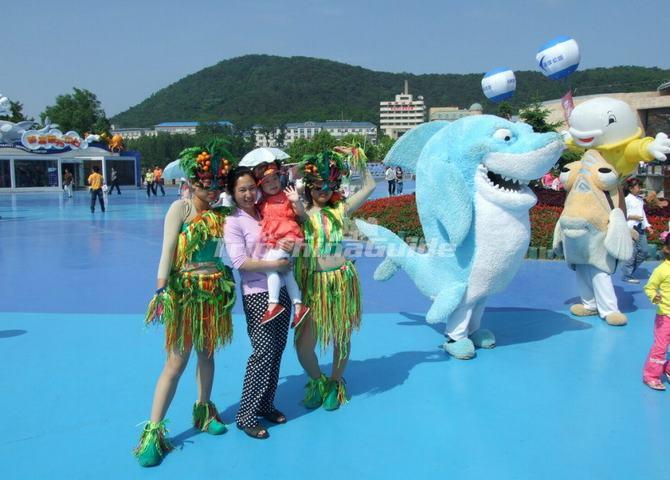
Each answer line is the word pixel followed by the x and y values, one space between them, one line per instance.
pixel 195 309
pixel 334 299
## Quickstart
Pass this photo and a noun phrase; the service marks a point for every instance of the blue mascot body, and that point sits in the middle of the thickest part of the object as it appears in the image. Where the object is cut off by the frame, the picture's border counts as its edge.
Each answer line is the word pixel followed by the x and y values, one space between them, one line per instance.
pixel 473 199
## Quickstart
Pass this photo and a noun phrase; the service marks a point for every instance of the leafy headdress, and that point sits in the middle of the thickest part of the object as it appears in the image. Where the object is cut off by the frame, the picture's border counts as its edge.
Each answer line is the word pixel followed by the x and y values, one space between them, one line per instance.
pixel 325 170
pixel 212 162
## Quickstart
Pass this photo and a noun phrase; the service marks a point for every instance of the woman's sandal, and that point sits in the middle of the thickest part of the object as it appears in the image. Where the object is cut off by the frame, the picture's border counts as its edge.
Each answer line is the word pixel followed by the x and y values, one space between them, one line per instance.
pixel 275 416
pixel 258 432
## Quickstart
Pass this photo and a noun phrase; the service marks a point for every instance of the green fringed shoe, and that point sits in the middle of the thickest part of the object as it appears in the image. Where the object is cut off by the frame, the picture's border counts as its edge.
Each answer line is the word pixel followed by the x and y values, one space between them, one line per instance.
pixel 206 419
pixel 314 392
pixel 154 444
pixel 335 394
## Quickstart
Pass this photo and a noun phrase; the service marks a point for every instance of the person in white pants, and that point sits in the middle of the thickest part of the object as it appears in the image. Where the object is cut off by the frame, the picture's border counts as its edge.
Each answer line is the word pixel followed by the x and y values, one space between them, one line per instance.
pixel 596 291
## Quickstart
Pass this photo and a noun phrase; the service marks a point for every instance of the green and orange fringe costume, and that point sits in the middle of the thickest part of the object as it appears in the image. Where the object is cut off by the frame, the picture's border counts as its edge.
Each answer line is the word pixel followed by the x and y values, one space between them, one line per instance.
pixel 334 296
pixel 195 307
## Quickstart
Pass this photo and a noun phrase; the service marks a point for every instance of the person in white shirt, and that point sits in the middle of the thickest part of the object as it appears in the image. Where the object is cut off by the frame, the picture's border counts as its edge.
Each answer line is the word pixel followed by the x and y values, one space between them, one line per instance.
pixel 637 221
pixel 390 177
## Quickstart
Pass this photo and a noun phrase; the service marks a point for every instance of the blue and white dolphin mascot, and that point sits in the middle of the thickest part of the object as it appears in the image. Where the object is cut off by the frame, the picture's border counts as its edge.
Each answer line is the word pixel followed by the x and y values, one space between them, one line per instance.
pixel 473 200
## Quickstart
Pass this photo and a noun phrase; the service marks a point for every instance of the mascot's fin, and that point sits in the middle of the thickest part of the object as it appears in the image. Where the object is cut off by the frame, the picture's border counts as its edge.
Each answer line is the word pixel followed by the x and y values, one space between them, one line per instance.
pixel 618 241
pixel 458 202
pixel 407 149
pixel 385 270
pixel 397 251
pixel 446 302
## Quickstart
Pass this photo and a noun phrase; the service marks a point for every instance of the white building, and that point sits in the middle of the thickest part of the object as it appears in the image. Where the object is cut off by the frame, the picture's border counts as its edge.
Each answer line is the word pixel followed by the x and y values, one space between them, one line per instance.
pixel 133 133
pixel 186 127
pixel 267 137
pixel 453 113
pixel 336 128
pixel 404 113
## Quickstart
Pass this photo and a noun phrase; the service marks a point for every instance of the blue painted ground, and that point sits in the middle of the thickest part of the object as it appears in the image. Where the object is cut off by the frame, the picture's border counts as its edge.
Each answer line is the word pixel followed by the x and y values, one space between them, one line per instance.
pixel 560 397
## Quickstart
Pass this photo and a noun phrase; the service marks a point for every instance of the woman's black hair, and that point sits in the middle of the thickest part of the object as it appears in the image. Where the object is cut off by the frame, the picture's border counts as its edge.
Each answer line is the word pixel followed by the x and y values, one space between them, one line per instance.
pixel 235 175
pixel 630 183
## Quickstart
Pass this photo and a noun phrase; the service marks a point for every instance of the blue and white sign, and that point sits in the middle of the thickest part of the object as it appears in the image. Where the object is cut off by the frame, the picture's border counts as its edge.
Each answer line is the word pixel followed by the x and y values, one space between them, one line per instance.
pixel 559 57
pixel 499 84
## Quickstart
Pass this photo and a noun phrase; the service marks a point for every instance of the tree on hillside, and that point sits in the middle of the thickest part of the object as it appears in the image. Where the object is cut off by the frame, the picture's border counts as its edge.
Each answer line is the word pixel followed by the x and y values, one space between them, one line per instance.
pixel 164 148
pixel 17 113
pixel 80 111
pixel 535 115
pixel 321 142
pixel 384 144
pixel 505 110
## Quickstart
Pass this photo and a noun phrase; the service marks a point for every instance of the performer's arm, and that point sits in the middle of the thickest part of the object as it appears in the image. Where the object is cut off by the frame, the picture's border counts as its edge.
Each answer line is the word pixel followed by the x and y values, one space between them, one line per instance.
pixel 355 201
pixel 174 219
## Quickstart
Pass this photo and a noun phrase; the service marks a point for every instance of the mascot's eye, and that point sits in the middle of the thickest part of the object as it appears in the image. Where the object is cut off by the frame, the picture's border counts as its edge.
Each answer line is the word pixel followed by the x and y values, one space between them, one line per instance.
pixel 608 178
pixel 503 134
pixel 564 176
pixel 611 119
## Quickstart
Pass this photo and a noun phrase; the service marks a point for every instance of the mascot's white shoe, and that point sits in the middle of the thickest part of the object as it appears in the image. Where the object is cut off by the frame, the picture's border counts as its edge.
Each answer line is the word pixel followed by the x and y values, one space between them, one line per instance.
pixel 483 338
pixel 616 319
pixel 462 349
pixel 581 311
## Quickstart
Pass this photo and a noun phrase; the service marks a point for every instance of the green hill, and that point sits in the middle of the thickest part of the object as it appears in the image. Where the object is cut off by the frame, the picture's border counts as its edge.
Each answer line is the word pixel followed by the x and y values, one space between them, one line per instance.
pixel 273 90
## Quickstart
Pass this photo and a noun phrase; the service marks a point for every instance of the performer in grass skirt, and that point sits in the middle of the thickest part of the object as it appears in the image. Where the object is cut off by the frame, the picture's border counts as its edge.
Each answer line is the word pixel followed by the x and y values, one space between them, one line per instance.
pixel 328 280
pixel 195 295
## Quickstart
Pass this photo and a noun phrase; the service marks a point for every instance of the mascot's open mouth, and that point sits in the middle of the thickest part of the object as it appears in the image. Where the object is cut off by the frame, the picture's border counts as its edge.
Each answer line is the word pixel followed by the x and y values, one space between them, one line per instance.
pixel 504 183
pixel 510 193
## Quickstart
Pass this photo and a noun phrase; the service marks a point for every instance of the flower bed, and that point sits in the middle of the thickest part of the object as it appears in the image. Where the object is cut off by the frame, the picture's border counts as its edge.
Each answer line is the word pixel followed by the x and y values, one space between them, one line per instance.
pixel 399 214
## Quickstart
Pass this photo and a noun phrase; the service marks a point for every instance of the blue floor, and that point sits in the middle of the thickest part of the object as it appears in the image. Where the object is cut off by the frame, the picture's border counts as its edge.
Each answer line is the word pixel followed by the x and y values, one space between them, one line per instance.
pixel 559 398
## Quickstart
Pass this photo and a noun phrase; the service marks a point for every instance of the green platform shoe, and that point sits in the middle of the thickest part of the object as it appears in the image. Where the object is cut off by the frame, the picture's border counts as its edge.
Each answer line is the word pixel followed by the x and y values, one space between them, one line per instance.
pixel 206 419
pixel 335 395
pixel 314 392
pixel 154 444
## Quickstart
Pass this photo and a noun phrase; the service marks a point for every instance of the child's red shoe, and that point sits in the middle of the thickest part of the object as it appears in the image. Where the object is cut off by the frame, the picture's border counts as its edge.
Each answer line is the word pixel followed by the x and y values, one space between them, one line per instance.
pixel 272 313
pixel 300 314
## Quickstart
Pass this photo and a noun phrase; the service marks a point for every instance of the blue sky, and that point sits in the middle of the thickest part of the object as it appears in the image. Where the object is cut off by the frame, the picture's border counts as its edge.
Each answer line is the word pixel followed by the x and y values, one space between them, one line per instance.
pixel 125 50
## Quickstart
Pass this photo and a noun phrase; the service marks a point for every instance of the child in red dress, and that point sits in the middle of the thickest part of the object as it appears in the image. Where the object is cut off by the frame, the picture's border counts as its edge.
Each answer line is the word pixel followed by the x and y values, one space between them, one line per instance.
pixel 280 211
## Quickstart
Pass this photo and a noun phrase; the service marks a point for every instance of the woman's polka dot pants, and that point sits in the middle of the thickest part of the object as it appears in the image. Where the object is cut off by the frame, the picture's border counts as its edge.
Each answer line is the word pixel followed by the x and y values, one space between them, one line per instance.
pixel 268 342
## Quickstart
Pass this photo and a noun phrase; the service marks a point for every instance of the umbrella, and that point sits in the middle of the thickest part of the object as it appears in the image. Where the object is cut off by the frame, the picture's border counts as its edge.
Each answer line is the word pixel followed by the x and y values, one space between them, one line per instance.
pixel 262 155
pixel 173 171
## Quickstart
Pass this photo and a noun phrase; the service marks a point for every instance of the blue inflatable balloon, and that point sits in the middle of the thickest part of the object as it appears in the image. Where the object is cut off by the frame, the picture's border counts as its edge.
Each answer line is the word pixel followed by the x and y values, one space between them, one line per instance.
pixel 559 57
pixel 499 84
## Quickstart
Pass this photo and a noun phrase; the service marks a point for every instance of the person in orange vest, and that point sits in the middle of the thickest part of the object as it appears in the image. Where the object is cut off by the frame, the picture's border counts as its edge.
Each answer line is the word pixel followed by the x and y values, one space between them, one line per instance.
pixel 95 182
pixel 158 180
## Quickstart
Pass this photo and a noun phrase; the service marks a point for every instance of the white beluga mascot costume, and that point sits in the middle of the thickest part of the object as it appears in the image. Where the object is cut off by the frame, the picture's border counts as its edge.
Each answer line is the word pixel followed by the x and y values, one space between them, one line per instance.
pixel 473 201
pixel 611 127
pixel 10 132
pixel 593 235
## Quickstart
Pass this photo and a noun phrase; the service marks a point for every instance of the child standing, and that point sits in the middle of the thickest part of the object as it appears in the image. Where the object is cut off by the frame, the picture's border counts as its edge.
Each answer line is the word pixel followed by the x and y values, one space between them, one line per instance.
pixel 658 291
pixel 279 210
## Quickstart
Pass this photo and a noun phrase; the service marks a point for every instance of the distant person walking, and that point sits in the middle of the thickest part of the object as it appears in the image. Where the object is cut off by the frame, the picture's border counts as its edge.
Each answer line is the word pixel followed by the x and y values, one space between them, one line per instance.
pixel 115 182
pixel 390 176
pixel 149 179
pixel 95 182
pixel 398 180
pixel 68 182
pixel 158 180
